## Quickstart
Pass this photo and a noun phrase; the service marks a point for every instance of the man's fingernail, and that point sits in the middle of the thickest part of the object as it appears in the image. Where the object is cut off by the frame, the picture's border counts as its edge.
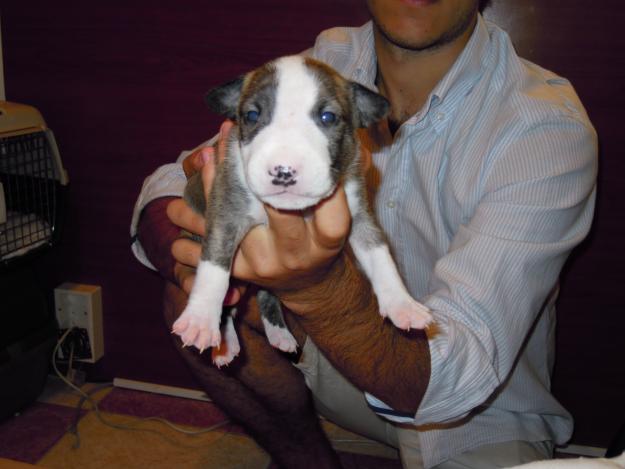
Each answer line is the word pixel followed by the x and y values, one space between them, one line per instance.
pixel 207 155
pixel 224 126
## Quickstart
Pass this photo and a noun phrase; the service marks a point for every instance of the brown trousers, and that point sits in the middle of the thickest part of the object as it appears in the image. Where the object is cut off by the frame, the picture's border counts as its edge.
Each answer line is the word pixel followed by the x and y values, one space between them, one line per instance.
pixel 260 389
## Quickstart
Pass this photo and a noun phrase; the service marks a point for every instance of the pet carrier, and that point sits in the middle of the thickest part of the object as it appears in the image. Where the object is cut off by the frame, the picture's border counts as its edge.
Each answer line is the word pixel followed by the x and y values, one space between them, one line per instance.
pixel 32 182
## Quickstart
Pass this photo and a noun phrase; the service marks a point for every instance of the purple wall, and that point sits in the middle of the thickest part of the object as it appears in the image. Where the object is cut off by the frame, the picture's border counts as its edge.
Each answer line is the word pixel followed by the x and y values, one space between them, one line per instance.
pixel 122 89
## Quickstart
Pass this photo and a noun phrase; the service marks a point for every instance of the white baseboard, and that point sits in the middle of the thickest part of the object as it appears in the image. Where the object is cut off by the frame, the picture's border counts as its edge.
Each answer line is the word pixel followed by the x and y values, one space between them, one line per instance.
pixel 160 389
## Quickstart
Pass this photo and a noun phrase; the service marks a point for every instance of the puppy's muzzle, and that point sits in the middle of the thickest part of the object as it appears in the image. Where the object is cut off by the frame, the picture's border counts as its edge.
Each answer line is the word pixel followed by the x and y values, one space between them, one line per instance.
pixel 283 176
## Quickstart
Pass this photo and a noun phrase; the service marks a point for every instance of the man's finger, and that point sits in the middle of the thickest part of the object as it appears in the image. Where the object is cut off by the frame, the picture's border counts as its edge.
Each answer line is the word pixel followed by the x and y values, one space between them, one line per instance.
pixel 208 175
pixel 224 133
pixel 288 230
pixel 196 160
pixel 185 276
pixel 234 294
pixel 185 217
pixel 186 251
pixel 255 253
pixel 212 158
pixel 331 221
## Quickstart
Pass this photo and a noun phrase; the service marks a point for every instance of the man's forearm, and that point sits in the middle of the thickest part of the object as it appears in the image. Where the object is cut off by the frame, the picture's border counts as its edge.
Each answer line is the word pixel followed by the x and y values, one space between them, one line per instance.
pixel 156 233
pixel 341 316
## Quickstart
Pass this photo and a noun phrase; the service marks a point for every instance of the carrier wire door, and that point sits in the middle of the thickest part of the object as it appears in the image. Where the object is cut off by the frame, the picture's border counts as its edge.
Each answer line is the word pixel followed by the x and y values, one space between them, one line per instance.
pixel 31 178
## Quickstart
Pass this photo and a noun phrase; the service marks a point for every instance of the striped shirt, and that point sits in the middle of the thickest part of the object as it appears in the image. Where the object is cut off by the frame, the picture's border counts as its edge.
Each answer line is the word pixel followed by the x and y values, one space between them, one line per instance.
pixel 483 193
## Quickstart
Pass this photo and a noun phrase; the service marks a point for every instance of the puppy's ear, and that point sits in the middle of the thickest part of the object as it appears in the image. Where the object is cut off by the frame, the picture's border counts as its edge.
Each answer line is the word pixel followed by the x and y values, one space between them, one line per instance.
pixel 224 99
pixel 370 107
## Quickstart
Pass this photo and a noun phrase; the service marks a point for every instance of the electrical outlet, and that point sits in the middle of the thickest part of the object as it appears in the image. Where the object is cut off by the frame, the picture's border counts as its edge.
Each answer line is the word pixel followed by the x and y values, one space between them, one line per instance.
pixel 80 306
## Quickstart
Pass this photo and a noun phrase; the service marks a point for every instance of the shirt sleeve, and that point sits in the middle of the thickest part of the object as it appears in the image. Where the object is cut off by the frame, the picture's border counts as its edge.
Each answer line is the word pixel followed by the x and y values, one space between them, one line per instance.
pixel 489 288
pixel 167 181
pixel 503 262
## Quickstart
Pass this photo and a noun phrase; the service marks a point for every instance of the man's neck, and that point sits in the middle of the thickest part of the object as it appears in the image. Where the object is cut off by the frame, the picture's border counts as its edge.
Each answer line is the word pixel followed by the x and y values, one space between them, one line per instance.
pixel 406 78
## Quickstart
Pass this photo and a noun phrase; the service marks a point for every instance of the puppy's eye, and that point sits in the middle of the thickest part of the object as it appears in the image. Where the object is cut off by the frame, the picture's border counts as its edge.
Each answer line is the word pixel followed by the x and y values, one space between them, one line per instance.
pixel 252 116
pixel 328 117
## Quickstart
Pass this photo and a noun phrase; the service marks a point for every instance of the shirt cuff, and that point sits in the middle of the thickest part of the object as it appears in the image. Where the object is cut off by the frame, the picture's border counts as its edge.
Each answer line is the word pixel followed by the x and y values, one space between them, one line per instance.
pixel 462 374
pixel 461 378
pixel 156 234
pixel 167 181
pixel 387 412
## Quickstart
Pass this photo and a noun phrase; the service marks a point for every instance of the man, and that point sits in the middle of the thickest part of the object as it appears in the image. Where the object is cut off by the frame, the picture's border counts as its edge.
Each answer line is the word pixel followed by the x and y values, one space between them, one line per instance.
pixel 485 179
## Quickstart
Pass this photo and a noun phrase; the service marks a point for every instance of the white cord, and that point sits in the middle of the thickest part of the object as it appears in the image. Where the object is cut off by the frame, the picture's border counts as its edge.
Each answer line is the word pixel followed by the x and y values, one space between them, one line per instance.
pixel 94 404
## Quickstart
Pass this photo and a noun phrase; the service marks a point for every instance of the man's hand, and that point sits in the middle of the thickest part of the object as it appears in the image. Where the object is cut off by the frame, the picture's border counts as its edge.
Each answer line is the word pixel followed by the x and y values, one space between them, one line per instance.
pixel 291 250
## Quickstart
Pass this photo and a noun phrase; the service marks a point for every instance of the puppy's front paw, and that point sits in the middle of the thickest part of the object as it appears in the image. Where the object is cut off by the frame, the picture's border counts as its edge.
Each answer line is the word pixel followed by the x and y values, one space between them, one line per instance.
pixel 198 328
pixel 407 313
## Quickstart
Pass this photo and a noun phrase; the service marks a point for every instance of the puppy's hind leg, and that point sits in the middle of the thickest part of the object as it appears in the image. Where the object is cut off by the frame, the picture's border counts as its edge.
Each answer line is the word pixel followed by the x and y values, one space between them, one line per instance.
pixel 230 346
pixel 273 321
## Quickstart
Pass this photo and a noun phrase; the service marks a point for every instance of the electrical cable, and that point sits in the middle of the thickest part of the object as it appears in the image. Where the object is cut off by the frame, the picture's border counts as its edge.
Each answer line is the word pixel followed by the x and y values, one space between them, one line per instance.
pixel 71 360
pixel 73 428
pixel 87 397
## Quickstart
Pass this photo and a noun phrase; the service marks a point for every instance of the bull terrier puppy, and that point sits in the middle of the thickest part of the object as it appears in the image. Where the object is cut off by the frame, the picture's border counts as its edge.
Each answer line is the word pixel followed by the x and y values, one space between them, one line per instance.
pixel 293 143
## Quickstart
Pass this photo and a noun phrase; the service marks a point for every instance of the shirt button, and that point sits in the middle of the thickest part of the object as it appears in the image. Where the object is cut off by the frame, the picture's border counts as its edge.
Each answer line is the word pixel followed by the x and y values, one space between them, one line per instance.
pixel 439 116
pixel 570 106
pixel 390 204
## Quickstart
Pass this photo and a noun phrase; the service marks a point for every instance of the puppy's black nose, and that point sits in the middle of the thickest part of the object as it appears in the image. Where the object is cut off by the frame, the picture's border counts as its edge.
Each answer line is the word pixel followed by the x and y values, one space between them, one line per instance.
pixel 283 176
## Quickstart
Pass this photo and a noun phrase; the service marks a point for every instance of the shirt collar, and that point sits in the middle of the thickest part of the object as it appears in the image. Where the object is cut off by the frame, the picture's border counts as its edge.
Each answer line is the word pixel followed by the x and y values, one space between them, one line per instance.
pixel 467 68
pixel 457 83
pixel 363 68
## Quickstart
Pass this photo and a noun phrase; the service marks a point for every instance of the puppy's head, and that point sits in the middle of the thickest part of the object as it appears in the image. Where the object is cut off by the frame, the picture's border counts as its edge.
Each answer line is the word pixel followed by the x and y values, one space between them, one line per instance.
pixel 296 127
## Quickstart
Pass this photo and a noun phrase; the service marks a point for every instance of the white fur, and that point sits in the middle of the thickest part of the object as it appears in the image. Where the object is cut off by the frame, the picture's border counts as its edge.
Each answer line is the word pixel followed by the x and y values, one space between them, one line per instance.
pixel 291 139
pixel 393 299
pixel 353 199
pixel 230 346
pixel 198 324
pixel 279 337
pixel 256 209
